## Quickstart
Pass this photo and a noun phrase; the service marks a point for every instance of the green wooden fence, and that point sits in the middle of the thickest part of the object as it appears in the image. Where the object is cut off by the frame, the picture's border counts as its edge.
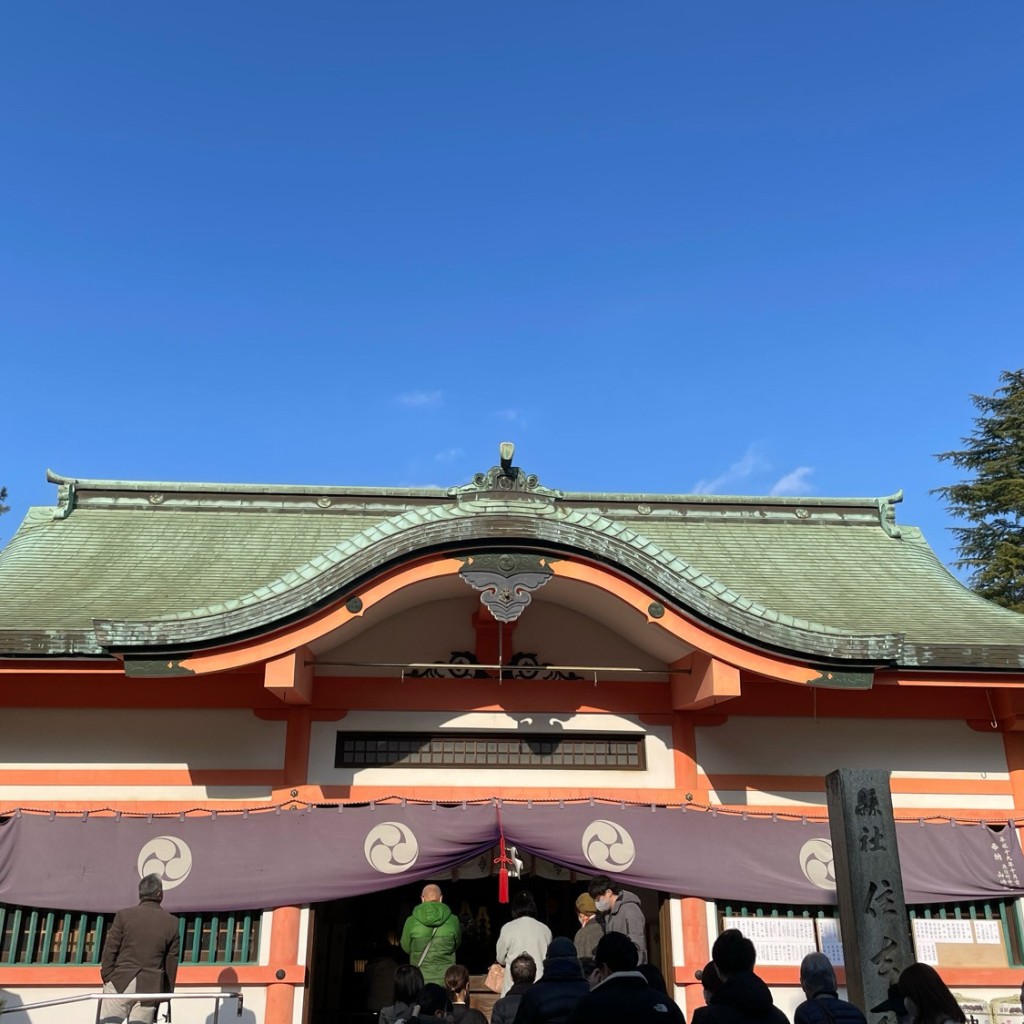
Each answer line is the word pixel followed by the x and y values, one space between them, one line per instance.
pixel 58 938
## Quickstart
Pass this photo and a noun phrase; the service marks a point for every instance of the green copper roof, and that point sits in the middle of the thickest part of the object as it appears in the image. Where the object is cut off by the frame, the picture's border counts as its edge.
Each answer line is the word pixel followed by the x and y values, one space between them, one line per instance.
pixel 123 565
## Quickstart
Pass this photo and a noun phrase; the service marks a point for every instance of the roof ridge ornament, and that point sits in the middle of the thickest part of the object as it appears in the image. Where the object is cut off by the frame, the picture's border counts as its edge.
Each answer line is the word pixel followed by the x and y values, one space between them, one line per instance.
pixel 66 493
pixel 505 481
pixel 887 514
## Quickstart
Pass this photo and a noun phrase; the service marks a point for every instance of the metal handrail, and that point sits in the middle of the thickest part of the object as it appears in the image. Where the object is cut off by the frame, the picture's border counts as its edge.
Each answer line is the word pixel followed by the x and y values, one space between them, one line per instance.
pixel 139 997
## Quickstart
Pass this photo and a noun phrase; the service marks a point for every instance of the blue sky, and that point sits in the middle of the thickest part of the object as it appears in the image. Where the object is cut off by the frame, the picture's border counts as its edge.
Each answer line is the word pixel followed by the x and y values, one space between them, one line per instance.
pixel 662 246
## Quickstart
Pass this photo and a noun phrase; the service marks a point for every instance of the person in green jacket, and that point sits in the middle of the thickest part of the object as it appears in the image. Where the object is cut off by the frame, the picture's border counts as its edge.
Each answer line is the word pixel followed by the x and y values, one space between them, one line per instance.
pixel 431 936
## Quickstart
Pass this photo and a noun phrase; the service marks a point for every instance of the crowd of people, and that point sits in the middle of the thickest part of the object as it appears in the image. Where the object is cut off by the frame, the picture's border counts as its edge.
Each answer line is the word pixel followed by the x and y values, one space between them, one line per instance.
pixel 601 975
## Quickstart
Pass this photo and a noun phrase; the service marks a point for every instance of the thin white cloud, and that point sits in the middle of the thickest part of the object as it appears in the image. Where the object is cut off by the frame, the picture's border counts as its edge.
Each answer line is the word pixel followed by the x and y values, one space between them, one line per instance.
pixel 508 414
pixel 421 399
pixel 795 482
pixel 751 463
pixel 449 455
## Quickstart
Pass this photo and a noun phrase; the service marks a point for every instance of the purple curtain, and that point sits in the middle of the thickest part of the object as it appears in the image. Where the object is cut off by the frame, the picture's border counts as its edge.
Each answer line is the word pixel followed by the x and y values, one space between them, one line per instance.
pixel 273 858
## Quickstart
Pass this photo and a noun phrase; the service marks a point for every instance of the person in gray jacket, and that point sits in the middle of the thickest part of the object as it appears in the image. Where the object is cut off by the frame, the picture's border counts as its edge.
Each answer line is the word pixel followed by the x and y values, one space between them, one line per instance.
pixel 619 910
pixel 823 1005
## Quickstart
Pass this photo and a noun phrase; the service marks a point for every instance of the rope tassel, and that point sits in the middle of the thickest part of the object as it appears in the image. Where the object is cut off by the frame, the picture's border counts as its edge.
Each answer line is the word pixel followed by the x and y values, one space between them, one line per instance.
pixel 503 861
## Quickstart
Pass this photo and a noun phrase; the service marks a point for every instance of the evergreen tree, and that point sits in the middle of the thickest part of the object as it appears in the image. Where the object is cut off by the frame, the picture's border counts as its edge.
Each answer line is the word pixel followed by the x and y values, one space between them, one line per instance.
pixel 3 508
pixel 992 547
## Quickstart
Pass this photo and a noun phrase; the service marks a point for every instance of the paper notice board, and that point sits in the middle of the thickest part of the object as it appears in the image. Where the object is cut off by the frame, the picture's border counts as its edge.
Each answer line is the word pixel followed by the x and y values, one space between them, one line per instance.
pixel 961 943
pixel 779 941
pixel 830 940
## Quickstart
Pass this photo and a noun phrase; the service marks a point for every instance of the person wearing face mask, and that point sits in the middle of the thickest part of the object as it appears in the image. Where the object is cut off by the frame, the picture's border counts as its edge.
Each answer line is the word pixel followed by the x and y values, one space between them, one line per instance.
pixel 590 932
pixel 926 997
pixel 619 911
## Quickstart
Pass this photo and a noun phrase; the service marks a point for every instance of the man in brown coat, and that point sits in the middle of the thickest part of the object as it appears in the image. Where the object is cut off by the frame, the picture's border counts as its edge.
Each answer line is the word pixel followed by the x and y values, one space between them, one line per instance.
pixel 139 955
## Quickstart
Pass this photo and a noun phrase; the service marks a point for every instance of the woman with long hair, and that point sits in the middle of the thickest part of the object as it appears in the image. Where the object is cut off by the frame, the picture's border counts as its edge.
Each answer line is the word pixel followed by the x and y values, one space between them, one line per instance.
pixel 926 997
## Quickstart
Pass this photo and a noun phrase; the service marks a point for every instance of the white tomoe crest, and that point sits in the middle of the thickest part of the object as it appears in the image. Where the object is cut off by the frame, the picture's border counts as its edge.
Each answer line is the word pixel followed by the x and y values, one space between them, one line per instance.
pixel 816 863
pixel 608 846
pixel 391 848
pixel 168 857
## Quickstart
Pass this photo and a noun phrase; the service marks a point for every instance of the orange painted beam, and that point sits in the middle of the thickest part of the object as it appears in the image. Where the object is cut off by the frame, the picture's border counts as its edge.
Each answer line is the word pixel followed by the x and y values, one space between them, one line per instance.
pixel 188 975
pixel 109 806
pixel 819 812
pixel 710 682
pixel 769 698
pixel 816 784
pixel 527 695
pixel 455 794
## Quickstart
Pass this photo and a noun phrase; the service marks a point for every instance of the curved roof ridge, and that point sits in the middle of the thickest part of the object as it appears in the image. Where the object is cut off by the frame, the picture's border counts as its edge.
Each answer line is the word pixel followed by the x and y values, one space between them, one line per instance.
pixel 314 579
pixel 212 487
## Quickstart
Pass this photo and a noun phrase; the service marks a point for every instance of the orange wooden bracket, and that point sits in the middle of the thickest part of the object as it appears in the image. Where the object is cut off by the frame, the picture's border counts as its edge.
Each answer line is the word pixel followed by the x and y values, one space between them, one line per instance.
pixel 290 677
pixel 710 682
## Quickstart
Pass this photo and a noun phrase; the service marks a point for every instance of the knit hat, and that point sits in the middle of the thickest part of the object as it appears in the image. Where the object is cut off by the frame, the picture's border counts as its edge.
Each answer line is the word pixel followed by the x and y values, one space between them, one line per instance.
pixel 561 948
pixel 585 904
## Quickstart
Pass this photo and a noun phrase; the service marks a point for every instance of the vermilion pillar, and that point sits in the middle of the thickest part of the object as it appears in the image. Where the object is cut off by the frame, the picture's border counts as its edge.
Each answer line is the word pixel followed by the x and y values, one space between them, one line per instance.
pixel 284 966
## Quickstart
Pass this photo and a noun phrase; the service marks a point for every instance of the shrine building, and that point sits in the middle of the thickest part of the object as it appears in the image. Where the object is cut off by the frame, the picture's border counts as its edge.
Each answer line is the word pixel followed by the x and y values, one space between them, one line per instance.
pixel 299 704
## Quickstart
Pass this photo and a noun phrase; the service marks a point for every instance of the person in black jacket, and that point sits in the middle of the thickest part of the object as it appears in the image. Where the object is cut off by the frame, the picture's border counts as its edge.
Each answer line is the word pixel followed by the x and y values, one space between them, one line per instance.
pixel 743 997
pixel 555 994
pixel 622 994
pixel 524 974
pixel 823 1005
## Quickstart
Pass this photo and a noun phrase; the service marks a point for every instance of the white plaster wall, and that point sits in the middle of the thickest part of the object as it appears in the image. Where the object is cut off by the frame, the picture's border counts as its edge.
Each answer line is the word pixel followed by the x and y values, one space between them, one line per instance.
pixel 563 636
pixel 659 772
pixel 131 738
pixel 427 632
pixel 910 749
pixel 74 740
